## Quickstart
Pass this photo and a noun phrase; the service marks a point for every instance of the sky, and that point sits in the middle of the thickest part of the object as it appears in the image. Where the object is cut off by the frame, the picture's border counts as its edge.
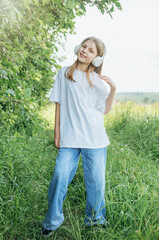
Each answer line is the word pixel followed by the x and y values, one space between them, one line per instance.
pixel 132 44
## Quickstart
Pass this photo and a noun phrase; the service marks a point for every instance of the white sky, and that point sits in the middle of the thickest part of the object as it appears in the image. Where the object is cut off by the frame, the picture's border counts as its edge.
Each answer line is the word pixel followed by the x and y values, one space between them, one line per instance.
pixel 132 42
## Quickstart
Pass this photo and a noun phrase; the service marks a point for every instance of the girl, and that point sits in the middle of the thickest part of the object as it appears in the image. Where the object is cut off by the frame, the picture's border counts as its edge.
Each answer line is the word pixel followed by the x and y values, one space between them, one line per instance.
pixel 81 99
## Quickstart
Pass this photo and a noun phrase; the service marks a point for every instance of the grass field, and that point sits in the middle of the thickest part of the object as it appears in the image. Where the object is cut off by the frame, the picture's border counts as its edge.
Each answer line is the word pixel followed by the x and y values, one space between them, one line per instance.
pixel 132 176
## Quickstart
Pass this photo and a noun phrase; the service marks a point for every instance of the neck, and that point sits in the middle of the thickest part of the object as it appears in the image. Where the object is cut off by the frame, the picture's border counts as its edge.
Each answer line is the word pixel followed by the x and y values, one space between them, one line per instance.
pixel 82 67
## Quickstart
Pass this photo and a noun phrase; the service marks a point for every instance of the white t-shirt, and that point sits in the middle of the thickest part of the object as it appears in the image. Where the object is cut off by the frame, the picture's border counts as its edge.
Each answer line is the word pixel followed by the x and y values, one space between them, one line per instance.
pixel 81 110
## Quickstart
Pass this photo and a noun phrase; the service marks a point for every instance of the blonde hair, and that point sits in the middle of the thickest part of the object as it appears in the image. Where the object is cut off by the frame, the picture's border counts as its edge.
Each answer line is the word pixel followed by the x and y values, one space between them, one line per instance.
pixel 100 51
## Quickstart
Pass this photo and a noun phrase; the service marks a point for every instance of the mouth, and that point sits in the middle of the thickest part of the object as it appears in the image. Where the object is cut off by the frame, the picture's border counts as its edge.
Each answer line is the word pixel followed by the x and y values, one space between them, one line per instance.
pixel 82 56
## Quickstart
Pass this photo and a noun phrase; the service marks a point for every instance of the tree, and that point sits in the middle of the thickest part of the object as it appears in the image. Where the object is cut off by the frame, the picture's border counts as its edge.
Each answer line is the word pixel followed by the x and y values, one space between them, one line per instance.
pixel 146 100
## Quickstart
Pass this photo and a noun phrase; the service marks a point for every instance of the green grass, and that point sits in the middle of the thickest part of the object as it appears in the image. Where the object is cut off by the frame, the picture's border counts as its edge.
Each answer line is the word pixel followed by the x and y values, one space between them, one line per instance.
pixel 132 176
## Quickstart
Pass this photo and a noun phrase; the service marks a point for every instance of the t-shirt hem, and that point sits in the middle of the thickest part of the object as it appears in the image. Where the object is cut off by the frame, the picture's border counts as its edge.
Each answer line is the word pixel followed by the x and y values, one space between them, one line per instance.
pixel 54 100
pixel 70 146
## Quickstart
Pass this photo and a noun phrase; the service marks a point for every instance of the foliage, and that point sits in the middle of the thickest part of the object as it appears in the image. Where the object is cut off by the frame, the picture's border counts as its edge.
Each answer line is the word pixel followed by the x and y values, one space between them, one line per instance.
pixel 30 33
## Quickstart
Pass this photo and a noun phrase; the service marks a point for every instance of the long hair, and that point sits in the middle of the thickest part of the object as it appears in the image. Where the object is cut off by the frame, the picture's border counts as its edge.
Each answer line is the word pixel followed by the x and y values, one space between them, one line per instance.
pixel 100 52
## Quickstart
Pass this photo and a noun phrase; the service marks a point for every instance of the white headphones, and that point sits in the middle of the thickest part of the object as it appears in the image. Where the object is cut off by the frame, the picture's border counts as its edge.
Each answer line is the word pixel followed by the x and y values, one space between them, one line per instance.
pixel 97 61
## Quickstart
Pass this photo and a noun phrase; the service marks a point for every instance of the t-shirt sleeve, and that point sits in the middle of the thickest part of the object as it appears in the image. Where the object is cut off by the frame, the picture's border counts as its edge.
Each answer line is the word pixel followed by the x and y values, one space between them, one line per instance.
pixel 56 91
pixel 101 104
pixel 102 97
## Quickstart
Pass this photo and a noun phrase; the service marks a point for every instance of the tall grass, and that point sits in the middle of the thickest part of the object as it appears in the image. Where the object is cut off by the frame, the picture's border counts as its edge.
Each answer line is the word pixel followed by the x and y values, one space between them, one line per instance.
pixel 132 175
pixel 137 126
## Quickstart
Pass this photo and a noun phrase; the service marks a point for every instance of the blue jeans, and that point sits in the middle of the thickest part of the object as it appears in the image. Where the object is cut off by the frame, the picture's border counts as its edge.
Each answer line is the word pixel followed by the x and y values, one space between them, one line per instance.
pixel 94 162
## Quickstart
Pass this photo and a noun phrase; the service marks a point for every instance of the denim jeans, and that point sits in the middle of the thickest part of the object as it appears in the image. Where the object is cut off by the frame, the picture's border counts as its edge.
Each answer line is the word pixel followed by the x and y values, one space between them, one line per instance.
pixel 94 162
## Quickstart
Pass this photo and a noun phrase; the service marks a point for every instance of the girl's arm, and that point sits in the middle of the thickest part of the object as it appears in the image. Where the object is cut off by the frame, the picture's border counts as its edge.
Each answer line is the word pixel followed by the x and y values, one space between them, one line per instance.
pixel 57 125
pixel 110 99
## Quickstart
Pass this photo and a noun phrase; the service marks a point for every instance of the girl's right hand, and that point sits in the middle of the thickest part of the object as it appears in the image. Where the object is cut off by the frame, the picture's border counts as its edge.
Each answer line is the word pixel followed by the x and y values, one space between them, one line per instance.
pixel 57 138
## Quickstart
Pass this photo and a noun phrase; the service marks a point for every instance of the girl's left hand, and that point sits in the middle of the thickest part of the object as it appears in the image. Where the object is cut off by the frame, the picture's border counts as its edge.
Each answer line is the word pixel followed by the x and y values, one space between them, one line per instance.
pixel 108 80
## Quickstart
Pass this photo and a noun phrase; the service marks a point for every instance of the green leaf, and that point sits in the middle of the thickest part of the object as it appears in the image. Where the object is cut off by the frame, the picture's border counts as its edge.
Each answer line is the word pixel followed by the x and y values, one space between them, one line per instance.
pixel 118 5
pixel 27 93
pixel 11 92
pixel 112 9
pixel 3 72
pixel 102 10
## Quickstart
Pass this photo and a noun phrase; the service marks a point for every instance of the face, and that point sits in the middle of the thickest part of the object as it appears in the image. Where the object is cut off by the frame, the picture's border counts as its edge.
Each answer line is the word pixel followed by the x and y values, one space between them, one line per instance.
pixel 87 52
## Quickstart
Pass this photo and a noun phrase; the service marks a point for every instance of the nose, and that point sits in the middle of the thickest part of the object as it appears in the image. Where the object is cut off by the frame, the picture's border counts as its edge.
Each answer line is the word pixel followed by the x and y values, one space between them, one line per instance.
pixel 85 50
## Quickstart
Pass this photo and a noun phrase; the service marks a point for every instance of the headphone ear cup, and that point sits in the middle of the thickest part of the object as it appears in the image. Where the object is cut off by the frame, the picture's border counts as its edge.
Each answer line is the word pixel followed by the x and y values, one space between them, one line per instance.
pixel 97 61
pixel 77 49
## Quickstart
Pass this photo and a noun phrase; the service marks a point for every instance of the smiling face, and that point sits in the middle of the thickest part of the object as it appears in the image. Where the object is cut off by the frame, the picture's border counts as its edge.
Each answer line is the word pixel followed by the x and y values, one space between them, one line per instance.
pixel 87 52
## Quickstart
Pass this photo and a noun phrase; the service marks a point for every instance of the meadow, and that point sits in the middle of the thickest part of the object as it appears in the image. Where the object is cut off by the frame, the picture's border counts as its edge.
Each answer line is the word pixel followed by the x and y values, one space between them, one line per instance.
pixel 132 176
